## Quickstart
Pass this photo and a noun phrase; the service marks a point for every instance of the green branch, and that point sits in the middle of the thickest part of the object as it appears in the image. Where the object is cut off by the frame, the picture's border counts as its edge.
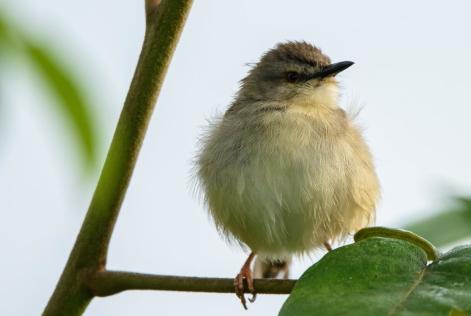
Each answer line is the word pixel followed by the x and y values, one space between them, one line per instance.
pixel 111 282
pixel 164 24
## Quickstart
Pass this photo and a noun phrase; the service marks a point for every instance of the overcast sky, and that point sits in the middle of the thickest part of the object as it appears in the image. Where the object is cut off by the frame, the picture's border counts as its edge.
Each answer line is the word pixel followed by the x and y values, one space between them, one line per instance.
pixel 411 76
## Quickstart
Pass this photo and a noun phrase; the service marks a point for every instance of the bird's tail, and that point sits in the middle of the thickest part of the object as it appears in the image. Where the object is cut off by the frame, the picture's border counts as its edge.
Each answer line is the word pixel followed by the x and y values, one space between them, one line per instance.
pixel 276 269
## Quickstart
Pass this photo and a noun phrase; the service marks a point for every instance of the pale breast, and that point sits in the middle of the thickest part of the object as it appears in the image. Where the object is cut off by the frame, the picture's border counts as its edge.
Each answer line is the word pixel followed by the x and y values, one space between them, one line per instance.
pixel 284 184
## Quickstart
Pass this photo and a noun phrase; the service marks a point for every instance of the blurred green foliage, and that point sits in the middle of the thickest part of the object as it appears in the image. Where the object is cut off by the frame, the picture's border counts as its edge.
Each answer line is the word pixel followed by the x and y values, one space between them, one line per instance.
pixel 447 226
pixel 70 100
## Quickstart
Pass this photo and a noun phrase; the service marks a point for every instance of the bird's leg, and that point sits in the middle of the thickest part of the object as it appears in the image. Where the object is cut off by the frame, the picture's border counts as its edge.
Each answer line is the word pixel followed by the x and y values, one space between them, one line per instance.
pixel 245 273
pixel 327 246
pixel 285 269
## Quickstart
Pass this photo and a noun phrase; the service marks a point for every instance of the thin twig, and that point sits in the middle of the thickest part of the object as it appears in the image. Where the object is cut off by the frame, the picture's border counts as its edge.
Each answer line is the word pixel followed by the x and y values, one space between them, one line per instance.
pixel 107 283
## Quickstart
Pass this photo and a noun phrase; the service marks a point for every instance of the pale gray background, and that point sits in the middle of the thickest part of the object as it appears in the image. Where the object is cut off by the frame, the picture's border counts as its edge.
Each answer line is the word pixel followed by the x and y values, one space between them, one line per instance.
pixel 411 75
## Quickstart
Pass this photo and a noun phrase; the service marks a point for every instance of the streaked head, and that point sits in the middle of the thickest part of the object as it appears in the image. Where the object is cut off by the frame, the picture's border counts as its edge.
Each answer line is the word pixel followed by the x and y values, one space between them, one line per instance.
pixel 293 70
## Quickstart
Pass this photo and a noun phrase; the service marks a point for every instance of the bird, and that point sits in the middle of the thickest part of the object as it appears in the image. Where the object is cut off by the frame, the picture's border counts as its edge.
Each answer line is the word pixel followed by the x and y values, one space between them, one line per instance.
pixel 286 170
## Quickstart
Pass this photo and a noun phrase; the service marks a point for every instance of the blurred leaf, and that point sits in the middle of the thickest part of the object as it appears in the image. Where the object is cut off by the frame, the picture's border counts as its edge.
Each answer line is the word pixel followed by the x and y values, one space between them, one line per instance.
pixel 448 226
pixel 383 276
pixel 2 29
pixel 70 99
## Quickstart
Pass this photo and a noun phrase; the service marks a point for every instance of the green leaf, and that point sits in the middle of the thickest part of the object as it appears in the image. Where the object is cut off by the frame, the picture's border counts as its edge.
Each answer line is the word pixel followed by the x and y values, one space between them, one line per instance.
pixel 384 276
pixel 430 250
pixel 69 99
pixel 2 30
pixel 447 226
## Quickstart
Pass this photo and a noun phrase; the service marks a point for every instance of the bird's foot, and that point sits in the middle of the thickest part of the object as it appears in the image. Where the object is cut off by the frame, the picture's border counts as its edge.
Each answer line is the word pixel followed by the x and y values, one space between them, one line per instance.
pixel 245 274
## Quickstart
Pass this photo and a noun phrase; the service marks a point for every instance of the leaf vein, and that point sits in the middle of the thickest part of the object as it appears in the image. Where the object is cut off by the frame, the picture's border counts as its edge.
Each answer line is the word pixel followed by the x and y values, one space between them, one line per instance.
pixel 409 292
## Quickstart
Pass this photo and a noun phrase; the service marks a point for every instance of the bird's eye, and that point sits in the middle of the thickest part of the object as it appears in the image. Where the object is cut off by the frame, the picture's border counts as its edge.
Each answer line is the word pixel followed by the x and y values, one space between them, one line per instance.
pixel 292 76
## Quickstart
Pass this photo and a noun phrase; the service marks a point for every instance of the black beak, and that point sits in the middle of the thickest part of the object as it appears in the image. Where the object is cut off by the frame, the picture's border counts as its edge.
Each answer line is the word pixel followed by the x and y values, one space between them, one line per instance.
pixel 333 69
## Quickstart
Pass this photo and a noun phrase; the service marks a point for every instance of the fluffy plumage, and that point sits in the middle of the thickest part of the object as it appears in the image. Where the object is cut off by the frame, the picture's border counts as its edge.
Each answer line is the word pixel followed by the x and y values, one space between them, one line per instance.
pixel 285 169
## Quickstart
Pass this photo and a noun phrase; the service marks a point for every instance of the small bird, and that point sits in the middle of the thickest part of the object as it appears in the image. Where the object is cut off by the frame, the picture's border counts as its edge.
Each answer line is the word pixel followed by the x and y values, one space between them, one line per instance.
pixel 285 170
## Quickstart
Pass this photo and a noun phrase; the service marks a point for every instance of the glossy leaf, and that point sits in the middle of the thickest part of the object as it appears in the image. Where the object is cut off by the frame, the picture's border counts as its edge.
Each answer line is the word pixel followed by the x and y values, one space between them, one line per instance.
pixel 384 276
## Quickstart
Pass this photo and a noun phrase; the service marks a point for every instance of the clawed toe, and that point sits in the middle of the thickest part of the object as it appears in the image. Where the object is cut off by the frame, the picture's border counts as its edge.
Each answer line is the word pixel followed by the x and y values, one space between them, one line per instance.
pixel 239 289
pixel 253 298
pixel 245 274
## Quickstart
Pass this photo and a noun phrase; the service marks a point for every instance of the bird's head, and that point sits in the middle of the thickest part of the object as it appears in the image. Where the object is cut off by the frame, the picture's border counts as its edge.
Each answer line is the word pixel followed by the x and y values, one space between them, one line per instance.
pixel 293 72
